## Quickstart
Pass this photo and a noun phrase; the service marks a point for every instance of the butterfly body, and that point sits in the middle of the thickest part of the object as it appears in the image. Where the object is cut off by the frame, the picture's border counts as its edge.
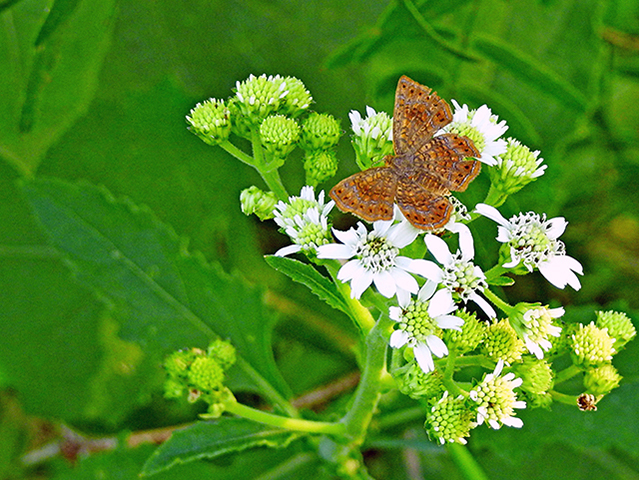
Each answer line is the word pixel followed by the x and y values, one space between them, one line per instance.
pixel 424 170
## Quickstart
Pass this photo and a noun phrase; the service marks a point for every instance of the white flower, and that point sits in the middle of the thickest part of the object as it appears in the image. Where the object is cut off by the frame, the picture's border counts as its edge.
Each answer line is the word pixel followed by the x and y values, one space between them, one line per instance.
pixel 497 399
pixel 374 259
pixel 533 241
pixel 420 323
pixel 482 127
pixel 461 277
pixel 538 325
pixel 375 125
pixel 305 220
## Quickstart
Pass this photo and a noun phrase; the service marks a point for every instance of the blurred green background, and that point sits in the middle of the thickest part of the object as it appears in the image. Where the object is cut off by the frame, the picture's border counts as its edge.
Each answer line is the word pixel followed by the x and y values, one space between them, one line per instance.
pixel 98 91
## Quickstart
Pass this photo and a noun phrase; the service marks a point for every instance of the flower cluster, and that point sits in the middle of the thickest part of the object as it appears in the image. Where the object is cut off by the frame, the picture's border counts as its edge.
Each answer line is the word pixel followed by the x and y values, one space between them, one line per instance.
pixel 457 345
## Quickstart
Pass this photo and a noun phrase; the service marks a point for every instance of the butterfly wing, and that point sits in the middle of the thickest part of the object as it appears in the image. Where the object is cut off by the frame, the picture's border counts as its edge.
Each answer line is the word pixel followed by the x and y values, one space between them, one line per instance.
pixel 368 194
pixel 445 157
pixel 422 203
pixel 418 114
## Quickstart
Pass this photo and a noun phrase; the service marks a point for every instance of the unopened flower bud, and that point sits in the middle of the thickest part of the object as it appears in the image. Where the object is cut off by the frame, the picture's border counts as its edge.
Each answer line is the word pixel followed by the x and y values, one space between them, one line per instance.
pixel 591 346
pixel 601 380
pixel 279 134
pixel 471 333
pixel 210 121
pixel 206 374
pixel 320 131
pixel 414 382
pixel 297 98
pixel 449 420
pixel 320 165
pixel 618 326
pixel 502 342
pixel 223 352
pixel 373 137
pixel 253 200
pixel 516 167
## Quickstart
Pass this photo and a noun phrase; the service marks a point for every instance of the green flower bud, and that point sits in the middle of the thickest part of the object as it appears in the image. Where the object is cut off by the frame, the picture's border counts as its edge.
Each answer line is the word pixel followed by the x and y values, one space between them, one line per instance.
pixel 174 388
pixel 177 364
pixel 259 97
pixel 209 120
pixel 414 382
pixel 536 375
pixel 253 200
pixel 469 337
pixel 279 134
pixel 591 346
pixel 223 352
pixel 320 131
pixel 601 380
pixel 206 374
pixel 502 342
pixel 618 326
pixel 319 166
pixel 297 98
pixel 543 400
pixel 372 139
pixel 449 420
pixel 517 167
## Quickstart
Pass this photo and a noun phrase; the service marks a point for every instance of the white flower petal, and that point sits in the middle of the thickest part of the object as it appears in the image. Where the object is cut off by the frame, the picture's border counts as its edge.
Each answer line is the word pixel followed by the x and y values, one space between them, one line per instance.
pixel 492 213
pixel 421 267
pixel 395 313
pixel 404 297
pixel 441 303
pixel 449 321
pixel 399 338
pixel 288 250
pixel 427 290
pixel 349 270
pixel 513 422
pixel 437 346
pixel 336 251
pixel 438 248
pixel 360 283
pixel 424 358
pixel 403 280
pixel 556 227
pixel 483 304
pixel 385 283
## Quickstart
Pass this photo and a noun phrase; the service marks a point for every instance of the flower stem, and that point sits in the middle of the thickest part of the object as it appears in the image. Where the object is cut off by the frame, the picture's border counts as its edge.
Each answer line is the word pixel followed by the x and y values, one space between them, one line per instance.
pixel 230 148
pixel 495 272
pixel 497 301
pixel 566 374
pixel 367 395
pixel 447 379
pixel 468 466
pixel 563 398
pixel 295 424
pixel 495 197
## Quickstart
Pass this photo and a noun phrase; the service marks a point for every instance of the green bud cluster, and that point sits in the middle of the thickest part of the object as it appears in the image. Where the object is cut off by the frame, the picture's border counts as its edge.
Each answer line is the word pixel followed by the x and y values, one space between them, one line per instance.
pixel 591 346
pixel 449 420
pixel 618 326
pixel 536 375
pixel 199 374
pixel 319 137
pixel 517 167
pixel 209 120
pixel 601 380
pixel 279 135
pixel 470 335
pixel 255 201
pixel 372 140
pixel 502 342
pixel 417 384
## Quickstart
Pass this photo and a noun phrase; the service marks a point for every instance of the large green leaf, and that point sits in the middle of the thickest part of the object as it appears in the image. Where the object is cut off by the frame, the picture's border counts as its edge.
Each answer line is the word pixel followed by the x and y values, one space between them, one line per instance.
pixel 49 72
pixel 163 297
pixel 212 439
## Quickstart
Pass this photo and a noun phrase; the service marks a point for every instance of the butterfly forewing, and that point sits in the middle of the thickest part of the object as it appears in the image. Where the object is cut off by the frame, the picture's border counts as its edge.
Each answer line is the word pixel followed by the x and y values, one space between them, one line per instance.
pixel 368 194
pixel 418 114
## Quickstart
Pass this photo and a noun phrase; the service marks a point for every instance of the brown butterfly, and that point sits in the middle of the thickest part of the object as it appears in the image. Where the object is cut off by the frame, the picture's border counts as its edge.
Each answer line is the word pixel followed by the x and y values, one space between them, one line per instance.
pixel 424 169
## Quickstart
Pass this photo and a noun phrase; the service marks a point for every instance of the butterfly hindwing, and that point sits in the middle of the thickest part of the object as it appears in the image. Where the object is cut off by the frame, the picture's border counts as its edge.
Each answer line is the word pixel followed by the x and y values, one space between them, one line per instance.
pixel 423 208
pixel 368 194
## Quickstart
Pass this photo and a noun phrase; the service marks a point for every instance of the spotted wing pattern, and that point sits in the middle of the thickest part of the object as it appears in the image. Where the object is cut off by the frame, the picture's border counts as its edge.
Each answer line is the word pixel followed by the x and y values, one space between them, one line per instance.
pixel 424 170
pixel 368 194
pixel 445 157
pixel 418 114
pixel 420 205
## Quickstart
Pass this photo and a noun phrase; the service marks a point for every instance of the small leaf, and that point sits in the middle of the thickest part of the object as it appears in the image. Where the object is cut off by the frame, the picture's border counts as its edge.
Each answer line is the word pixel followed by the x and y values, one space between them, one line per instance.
pixel 60 11
pixel 501 281
pixel 212 439
pixel 309 276
pixel 531 71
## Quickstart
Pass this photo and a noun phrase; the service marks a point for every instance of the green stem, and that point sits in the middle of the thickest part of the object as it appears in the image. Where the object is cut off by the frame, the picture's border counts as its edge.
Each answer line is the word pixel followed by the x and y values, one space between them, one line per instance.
pixel 274 182
pixel 367 395
pixel 495 197
pixel 495 272
pixel 475 361
pixel 230 148
pixel 566 374
pixel 468 466
pixel 448 381
pixel 564 398
pixel 498 302
pixel 360 315
pixel 295 424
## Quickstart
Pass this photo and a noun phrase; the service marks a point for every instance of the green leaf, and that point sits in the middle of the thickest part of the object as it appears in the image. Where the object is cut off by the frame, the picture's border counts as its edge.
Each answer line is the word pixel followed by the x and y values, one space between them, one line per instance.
pixel 47 86
pixel 163 297
pixel 501 281
pixel 212 439
pixel 306 274
pixel 530 70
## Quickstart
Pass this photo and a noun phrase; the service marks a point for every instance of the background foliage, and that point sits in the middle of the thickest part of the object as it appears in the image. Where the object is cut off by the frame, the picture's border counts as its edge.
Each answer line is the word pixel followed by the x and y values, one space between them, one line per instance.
pixel 97 91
